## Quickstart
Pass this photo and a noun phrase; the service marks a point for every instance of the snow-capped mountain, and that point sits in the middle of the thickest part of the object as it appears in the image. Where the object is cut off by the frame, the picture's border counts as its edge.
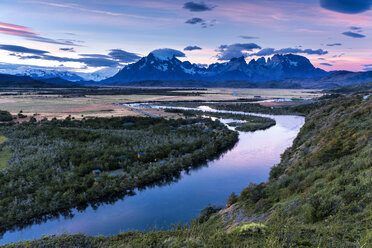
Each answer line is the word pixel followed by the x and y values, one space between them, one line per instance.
pixel 154 67
pixel 100 74
pixel 47 74
pixel 42 73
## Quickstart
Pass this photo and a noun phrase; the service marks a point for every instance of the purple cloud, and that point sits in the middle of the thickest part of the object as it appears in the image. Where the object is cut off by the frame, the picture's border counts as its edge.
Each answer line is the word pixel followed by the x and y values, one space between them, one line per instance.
pixel 271 51
pixel 25 32
pixel 326 64
pixel 353 35
pixel 21 49
pixel 227 52
pixel 197 7
pixel 192 48
pixel 334 44
pixel 195 20
pixel 246 37
pixel 123 56
pixel 346 6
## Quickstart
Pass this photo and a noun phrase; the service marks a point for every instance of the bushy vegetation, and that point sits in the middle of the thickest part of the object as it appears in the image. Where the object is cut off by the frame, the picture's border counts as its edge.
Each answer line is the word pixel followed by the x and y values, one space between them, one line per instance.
pixel 320 193
pixel 251 123
pixel 250 126
pixel 256 108
pixel 5 116
pixel 50 168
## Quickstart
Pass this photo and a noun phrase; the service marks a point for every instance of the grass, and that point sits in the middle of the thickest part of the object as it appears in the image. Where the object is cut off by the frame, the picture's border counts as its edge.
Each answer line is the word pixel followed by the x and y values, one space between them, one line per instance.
pixel 2 139
pixel 4 153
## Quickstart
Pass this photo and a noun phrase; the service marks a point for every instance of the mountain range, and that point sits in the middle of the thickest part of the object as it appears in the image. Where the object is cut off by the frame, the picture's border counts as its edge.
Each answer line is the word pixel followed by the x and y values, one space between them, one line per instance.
pixel 42 73
pixel 277 67
pixel 279 71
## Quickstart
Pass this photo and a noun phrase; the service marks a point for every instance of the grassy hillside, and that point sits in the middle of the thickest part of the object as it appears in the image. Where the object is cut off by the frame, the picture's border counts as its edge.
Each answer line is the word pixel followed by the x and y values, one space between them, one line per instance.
pixel 320 195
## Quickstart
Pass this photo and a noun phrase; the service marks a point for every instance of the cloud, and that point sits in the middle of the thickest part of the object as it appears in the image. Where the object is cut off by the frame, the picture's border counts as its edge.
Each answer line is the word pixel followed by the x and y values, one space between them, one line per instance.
pixel 197 7
pixel 357 29
pixel 79 8
pixel 339 55
pixel 98 62
pixel 97 56
pixel 192 48
pixel 29 34
pixel 334 44
pixel 248 37
pixel 326 64
pixel 346 6
pixel 272 51
pixel 202 22
pixel 195 20
pixel 123 56
pixel 167 53
pixel 227 52
pixel 353 35
pixel 21 49
pixel 367 67
pixel 67 49
pixel 93 60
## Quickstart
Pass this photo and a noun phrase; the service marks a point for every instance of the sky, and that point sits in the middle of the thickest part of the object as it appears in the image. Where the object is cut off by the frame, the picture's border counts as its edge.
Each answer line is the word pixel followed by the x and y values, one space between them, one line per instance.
pixel 82 35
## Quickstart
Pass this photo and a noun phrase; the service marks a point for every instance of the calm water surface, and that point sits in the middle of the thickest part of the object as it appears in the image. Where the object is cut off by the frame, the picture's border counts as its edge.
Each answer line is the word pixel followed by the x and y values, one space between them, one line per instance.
pixel 249 161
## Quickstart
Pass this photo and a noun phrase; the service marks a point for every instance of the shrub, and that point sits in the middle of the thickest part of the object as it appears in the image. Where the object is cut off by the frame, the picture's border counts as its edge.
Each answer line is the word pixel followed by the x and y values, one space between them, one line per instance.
pixel 5 116
pixel 207 212
pixel 319 208
pixel 250 229
pixel 233 198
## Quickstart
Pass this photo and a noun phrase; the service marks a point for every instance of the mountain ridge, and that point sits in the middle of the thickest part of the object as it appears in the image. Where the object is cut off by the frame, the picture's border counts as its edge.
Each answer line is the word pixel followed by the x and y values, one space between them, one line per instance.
pixel 277 67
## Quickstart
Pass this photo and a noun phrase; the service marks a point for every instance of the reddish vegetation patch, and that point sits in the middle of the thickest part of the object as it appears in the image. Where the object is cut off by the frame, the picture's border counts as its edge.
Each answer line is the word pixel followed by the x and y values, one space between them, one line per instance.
pixel 271 104
pixel 165 98
pixel 94 107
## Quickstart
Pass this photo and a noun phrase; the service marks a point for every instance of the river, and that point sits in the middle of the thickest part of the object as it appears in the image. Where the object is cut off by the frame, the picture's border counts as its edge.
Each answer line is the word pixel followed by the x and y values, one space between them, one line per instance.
pixel 249 161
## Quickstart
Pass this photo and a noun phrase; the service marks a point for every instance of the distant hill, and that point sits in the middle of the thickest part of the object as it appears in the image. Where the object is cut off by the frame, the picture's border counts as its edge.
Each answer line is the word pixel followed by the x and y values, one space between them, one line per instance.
pixel 335 79
pixel 11 81
pixel 351 88
pixel 222 84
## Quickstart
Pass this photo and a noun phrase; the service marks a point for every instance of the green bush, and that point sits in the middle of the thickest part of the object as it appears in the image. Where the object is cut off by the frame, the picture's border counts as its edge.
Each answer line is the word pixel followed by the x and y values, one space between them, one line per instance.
pixel 5 116
pixel 250 229
pixel 206 213
pixel 319 207
pixel 233 198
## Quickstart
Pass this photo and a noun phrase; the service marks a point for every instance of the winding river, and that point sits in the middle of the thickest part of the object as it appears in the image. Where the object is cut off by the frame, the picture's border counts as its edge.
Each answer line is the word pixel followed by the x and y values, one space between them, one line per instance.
pixel 249 161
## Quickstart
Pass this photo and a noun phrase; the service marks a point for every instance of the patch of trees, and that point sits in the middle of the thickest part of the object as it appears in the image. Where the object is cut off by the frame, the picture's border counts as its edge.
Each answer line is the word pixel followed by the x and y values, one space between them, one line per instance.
pixel 50 170
pixel 251 123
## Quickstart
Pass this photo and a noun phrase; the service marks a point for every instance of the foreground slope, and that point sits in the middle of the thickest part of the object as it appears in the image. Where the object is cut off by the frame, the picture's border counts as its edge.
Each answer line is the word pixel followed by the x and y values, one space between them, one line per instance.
pixel 318 196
